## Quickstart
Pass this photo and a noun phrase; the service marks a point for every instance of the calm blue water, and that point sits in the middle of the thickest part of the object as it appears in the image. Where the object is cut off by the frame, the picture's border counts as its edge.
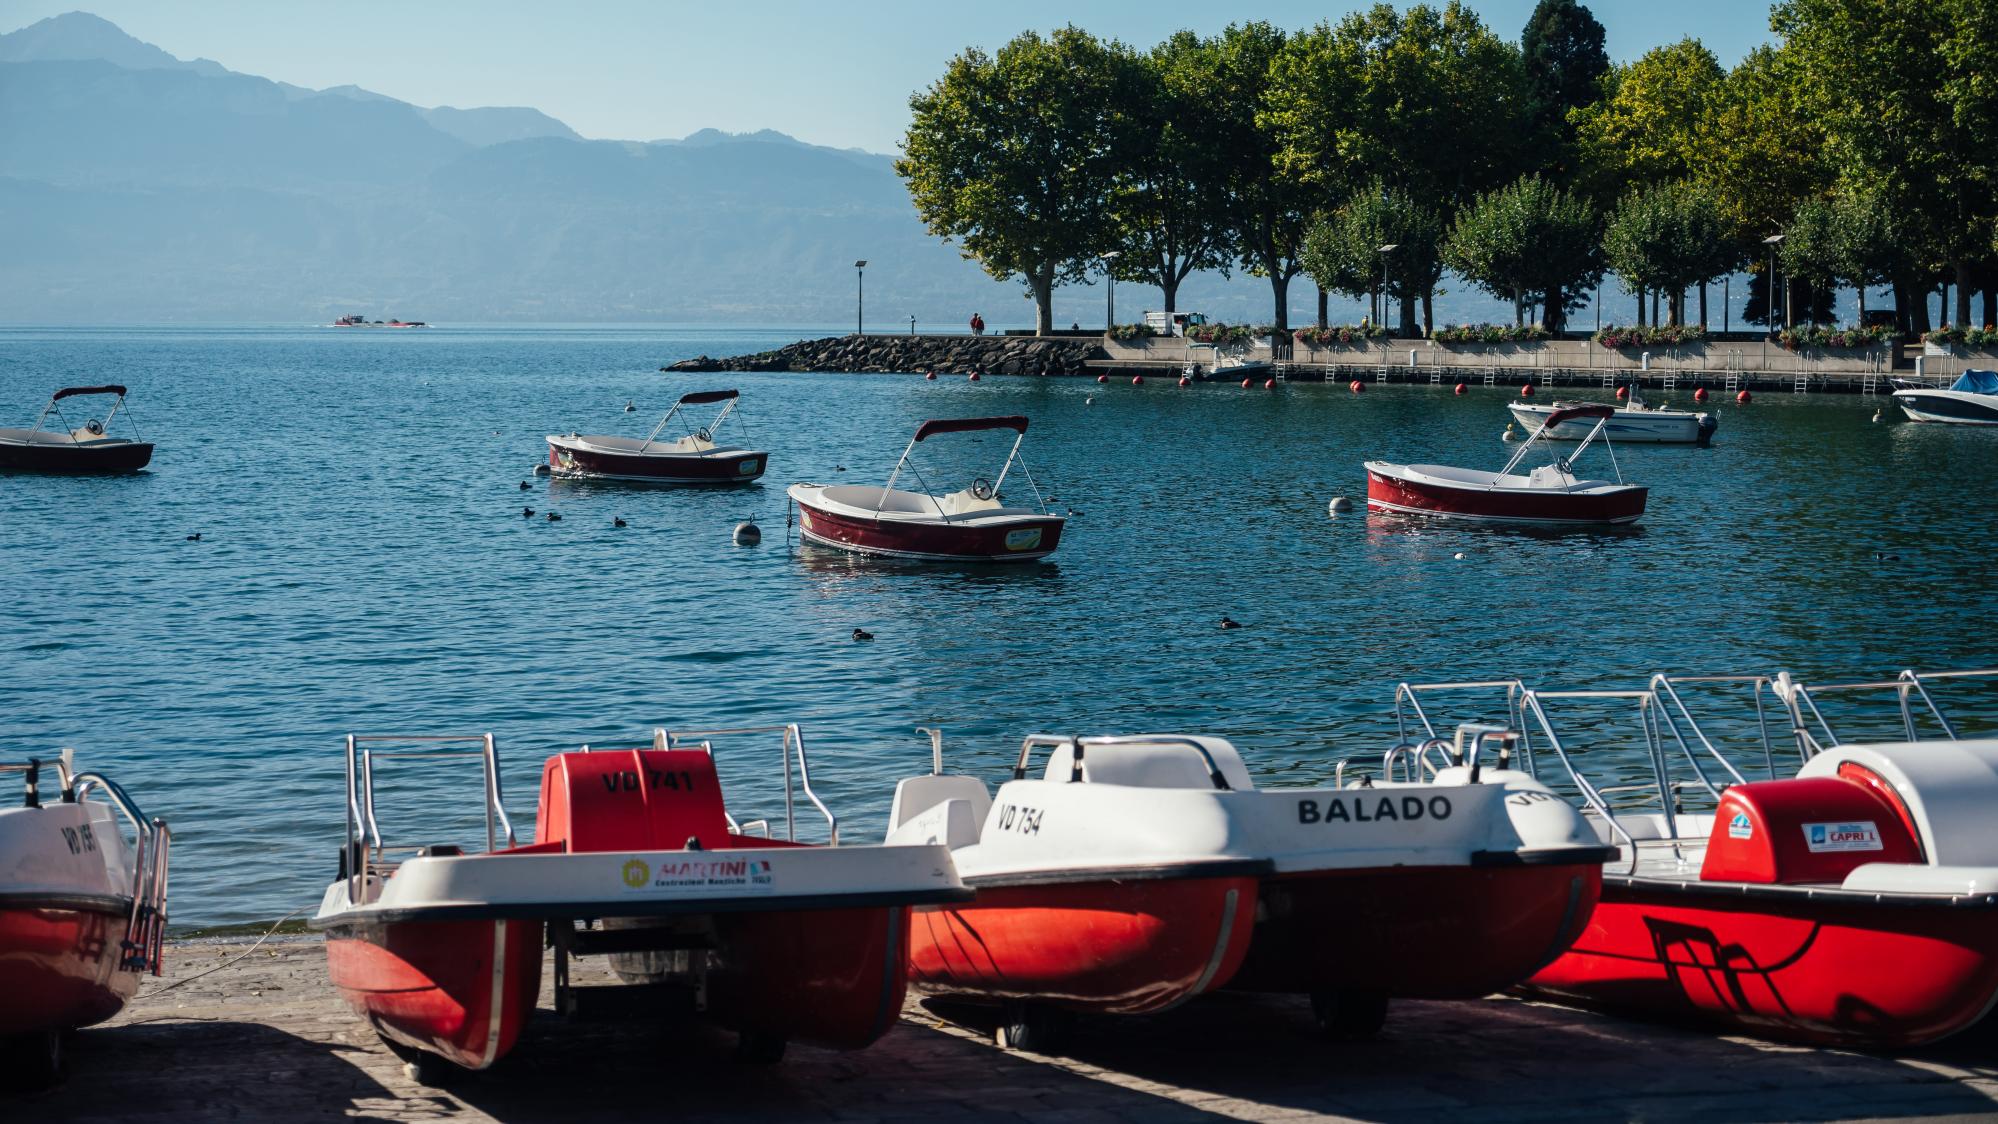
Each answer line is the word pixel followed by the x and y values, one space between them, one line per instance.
pixel 364 567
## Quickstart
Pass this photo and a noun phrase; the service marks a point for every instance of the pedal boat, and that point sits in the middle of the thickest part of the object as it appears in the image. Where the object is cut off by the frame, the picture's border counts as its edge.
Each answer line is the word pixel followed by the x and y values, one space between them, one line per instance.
pixel 637 858
pixel 973 524
pixel 1634 423
pixel 1134 873
pixel 1851 901
pixel 1550 495
pixel 82 911
pixel 84 450
pixel 693 458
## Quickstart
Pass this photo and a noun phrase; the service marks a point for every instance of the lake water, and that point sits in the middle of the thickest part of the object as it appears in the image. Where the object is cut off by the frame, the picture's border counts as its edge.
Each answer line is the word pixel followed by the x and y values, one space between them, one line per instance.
pixel 364 566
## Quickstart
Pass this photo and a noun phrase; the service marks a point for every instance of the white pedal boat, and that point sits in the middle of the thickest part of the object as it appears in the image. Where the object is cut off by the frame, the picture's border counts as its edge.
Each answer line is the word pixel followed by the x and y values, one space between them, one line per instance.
pixel 1133 873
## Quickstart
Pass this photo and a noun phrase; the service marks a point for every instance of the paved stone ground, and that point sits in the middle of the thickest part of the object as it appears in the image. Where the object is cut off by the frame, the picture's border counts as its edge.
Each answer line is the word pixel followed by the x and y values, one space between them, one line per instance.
pixel 267 1039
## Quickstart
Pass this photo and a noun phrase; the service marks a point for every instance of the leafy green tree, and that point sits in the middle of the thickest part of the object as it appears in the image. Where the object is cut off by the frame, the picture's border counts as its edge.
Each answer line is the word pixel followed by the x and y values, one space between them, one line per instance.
pixel 1268 210
pixel 1666 239
pixel 1529 240
pixel 1342 250
pixel 1169 202
pixel 1647 127
pixel 1016 156
pixel 1562 50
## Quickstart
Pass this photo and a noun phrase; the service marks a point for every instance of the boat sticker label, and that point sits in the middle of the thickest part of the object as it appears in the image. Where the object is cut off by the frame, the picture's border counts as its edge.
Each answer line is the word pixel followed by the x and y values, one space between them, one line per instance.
pixel 1739 827
pixel 1025 539
pixel 1373 809
pixel 693 877
pixel 1026 821
pixel 1858 835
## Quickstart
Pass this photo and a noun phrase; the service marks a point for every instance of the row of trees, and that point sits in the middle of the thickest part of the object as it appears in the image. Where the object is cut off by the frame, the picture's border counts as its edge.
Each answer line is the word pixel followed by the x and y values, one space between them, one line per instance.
pixel 1868 137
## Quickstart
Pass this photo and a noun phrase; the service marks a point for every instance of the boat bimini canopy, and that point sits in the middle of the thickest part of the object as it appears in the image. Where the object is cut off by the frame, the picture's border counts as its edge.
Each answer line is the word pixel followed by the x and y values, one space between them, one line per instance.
pixel 1601 413
pixel 708 431
pixel 980 488
pixel 76 391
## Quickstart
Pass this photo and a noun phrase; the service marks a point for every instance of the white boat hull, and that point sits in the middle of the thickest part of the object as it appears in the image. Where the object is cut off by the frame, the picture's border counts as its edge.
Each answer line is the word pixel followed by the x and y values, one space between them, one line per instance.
pixel 1658 427
pixel 1952 407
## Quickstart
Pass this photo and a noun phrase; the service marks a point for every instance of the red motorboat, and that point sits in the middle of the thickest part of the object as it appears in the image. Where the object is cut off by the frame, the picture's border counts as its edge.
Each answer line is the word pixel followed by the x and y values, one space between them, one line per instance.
pixel 1135 873
pixel 1548 495
pixel 974 524
pixel 693 458
pixel 82 911
pixel 636 858
pixel 1852 901
pixel 85 449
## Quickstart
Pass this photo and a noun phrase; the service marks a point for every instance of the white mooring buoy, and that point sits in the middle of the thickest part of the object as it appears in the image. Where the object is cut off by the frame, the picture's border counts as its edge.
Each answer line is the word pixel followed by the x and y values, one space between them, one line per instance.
pixel 747 533
pixel 1339 504
pixel 542 469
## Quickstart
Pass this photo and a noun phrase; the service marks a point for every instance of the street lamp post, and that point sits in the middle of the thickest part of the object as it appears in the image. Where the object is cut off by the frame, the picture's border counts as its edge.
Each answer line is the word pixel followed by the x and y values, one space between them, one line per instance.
pixel 1381 321
pixel 912 324
pixel 1110 294
pixel 1771 242
pixel 1727 302
pixel 860 297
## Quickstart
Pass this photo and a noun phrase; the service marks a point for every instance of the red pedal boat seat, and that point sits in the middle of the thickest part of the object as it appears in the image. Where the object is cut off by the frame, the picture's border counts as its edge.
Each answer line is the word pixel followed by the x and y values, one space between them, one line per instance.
pixel 632 800
pixel 1814 829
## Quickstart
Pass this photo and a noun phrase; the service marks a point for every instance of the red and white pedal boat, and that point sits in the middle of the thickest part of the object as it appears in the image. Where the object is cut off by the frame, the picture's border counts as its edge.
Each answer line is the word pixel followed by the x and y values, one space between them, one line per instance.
pixel 1852 901
pixel 1134 873
pixel 82 911
pixel 690 459
pixel 973 524
pixel 1548 495
pixel 636 858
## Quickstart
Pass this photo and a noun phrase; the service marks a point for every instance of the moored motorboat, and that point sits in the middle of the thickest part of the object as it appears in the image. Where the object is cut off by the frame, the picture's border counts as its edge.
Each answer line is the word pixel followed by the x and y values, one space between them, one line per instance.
pixel 1852 900
pixel 1131 874
pixel 86 449
pixel 1634 423
pixel 82 910
pixel 973 524
pixel 1550 495
pixel 1971 400
pixel 692 458
pixel 637 858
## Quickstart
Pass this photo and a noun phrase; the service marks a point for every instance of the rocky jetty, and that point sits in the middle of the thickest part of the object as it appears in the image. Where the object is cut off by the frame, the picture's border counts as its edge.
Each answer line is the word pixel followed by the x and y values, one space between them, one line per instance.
pixel 992 355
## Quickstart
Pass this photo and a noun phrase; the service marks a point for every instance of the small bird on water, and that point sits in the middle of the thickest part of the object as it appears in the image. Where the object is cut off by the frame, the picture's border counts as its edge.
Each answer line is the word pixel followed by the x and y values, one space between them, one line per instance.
pixel 862 634
pixel 195 537
pixel 554 517
pixel 1230 622
pixel 524 485
pixel 527 513
pixel 617 521
pixel 629 407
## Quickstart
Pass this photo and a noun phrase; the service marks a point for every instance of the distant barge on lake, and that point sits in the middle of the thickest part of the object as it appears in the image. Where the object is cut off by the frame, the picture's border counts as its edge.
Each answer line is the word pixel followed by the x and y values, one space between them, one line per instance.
pixel 364 322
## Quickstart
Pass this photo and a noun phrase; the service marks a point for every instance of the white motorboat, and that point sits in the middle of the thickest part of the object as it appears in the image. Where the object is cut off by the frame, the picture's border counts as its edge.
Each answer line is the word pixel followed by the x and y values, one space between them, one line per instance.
pixel 1632 422
pixel 1551 495
pixel 1971 400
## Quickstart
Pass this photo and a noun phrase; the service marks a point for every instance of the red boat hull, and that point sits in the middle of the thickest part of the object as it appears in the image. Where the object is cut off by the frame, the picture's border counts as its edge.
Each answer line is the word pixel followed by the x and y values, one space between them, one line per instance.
pixel 59 968
pixel 579 461
pixel 1417 932
pixel 1018 540
pixel 1106 947
pixel 1821 971
pixel 1503 505
pixel 462 989
pixel 833 978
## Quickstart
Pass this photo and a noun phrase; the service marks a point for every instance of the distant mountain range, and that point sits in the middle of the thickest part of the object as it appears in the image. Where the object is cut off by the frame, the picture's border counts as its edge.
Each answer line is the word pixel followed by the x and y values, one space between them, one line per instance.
pixel 137 186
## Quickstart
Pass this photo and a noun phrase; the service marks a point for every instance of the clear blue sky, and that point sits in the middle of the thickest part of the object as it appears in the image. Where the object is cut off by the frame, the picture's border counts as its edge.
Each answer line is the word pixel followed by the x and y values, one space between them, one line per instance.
pixel 824 71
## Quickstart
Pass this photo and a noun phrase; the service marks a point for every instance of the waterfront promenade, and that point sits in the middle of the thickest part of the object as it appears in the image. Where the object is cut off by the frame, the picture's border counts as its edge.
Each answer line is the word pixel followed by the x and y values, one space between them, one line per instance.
pixel 267 1039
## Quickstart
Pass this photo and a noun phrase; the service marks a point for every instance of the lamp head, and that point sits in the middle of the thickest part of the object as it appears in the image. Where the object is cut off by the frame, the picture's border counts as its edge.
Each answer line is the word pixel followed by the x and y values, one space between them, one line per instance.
pixel 861 264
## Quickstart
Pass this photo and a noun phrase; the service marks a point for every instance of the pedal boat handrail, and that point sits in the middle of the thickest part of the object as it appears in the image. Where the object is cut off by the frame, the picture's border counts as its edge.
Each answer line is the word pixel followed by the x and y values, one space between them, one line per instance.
pixel 794 742
pixel 365 853
pixel 1078 746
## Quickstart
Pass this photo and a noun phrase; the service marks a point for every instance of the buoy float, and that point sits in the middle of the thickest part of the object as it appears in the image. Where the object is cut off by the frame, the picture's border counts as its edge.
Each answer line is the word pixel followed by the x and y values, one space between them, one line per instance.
pixel 932 376
pixel 1103 378
pixel 1509 434
pixel 542 469
pixel 1700 394
pixel 1184 381
pixel 1137 380
pixel 1622 392
pixel 1526 391
pixel 1357 387
pixel 974 376
pixel 1089 401
pixel 747 533
pixel 1245 384
pixel 1339 504
pixel 1463 388
pixel 1744 397
pixel 1459 556
pixel 1269 384
pixel 1877 414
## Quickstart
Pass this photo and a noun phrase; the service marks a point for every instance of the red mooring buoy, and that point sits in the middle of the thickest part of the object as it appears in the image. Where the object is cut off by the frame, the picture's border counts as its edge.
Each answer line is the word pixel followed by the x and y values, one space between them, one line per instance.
pixel 1463 388
pixel 1269 384
pixel 1103 378
pixel 1526 391
pixel 1137 380
pixel 932 376
pixel 1357 387
pixel 1744 396
pixel 1245 384
pixel 1622 392
pixel 974 376
pixel 1700 395
pixel 1184 381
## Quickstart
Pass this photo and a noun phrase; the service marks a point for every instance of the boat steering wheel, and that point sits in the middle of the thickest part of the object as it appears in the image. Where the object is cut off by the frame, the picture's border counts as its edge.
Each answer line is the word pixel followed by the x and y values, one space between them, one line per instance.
pixel 981 489
pixel 1562 466
pixel 703 434
pixel 94 427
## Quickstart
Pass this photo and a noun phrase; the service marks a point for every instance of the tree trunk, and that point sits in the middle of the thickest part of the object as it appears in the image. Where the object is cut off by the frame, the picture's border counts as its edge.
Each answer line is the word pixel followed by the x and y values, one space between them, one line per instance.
pixel 1407 328
pixel 1990 304
pixel 1962 293
pixel 1903 323
pixel 1862 305
pixel 1043 289
pixel 1322 305
pixel 1654 306
pixel 1518 310
pixel 1703 305
pixel 1429 311
pixel 1640 308
pixel 1280 289
pixel 1171 290
pixel 1554 315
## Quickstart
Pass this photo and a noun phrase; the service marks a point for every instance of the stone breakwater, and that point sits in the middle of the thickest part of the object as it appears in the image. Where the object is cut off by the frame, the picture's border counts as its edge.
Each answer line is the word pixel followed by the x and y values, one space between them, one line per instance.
pixel 948 355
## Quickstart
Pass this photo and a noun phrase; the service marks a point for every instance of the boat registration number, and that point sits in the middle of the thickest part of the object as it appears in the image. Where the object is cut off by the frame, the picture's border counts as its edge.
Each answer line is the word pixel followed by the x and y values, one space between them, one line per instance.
pixel 1026 539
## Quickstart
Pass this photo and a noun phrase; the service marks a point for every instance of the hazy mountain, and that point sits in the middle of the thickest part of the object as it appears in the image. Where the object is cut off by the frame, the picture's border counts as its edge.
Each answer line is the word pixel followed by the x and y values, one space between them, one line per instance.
pixel 80 35
pixel 496 124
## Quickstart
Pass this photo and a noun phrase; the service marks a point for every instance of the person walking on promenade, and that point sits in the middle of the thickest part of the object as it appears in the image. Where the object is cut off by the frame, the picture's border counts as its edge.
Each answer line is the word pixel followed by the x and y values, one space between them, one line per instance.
pixel 977 324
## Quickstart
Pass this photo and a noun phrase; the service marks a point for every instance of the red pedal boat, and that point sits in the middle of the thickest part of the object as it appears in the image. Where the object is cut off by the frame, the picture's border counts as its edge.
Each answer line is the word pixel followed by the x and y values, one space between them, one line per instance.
pixel 1135 873
pixel 1549 495
pixel 970 525
pixel 1852 901
pixel 82 911
pixel 693 458
pixel 637 859
pixel 86 449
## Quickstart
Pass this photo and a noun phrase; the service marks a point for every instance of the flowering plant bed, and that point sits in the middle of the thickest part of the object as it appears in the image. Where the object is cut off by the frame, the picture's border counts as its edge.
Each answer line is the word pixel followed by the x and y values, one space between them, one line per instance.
pixel 1650 335
pixel 1831 337
pixel 1338 333
pixel 1987 336
pixel 1225 333
pixel 1133 332
pixel 1490 333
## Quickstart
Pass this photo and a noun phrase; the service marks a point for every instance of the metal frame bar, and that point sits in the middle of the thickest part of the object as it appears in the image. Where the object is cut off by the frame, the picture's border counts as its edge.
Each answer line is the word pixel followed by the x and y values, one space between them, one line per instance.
pixel 794 741
pixel 145 927
pixel 364 846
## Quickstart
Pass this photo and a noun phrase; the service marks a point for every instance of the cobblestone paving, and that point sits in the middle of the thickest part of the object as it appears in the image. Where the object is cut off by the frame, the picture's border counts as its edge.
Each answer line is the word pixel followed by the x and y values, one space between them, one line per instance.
pixel 267 1039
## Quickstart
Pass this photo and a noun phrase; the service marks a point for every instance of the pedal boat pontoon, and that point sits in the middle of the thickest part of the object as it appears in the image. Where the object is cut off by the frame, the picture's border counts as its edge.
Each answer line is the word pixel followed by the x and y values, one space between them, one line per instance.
pixel 637 858
pixel 1134 873
pixel 1549 495
pixel 83 450
pixel 1634 423
pixel 973 524
pixel 82 910
pixel 693 458
pixel 1852 901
